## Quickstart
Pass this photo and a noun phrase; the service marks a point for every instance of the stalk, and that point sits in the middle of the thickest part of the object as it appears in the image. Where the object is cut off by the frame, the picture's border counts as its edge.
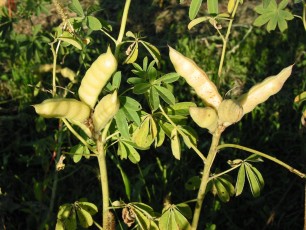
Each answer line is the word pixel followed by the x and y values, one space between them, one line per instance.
pixel 225 39
pixel 274 159
pixel 205 178
pixel 104 180
pixel 123 25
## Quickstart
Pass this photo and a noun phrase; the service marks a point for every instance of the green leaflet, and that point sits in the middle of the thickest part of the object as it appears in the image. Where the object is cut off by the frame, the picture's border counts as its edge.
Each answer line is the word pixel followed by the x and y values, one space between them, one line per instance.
pixel 93 23
pixel 240 180
pixel 212 6
pixel 194 8
pixel 175 144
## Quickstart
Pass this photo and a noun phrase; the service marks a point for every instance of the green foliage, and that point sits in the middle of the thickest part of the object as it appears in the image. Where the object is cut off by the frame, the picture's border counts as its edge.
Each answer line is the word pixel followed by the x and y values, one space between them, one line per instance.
pixel 141 132
pixel 274 15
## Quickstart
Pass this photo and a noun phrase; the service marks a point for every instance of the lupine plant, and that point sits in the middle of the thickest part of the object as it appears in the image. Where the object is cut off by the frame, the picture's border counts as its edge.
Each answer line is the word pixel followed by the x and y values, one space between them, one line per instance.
pixel 106 114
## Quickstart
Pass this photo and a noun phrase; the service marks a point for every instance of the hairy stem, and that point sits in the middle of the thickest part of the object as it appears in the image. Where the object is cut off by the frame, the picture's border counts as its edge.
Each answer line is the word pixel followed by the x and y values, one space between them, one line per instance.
pixel 205 178
pixel 274 159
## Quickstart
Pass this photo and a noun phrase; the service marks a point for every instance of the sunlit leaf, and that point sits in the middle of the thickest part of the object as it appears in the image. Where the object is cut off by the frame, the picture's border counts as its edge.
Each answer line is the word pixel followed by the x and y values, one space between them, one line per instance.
pixel 122 124
pixel 212 6
pixel 181 108
pixel 84 217
pixel 122 152
pixel 240 180
pixel 116 80
pixel 132 53
pixel 168 78
pixel 175 144
pixel 254 158
pixel 194 8
pixel 93 23
pixel 154 98
pixel 78 151
pixel 141 88
pixel 152 50
pixel 76 7
pixel 132 115
pixel 89 207
pixel 301 97
pixel 133 155
pixel 130 103
pixel 142 136
pixel 253 180
pixel 72 41
pixel 185 210
pixel 197 21
pixel 165 94
pixel 222 192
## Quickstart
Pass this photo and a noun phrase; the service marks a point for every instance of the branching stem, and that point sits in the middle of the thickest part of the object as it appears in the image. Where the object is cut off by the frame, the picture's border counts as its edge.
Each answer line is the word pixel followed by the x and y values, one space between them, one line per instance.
pixel 274 159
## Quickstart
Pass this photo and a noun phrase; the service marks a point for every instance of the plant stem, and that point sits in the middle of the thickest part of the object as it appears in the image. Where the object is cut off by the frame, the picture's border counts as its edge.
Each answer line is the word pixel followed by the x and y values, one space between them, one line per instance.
pixel 225 39
pixel 57 150
pixel 54 70
pixel 205 178
pixel 104 181
pixel 123 25
pixel 274 159
pixel 78 136
pixel 224 172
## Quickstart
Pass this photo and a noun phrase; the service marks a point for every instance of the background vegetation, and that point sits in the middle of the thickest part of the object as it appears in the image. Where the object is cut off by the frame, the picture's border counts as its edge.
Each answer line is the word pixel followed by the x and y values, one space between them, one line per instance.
pixel 28 141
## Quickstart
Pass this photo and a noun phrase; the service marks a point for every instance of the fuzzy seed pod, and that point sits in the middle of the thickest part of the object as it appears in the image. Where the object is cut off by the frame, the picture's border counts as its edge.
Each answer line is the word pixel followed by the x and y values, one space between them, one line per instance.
pixel 261 92
pixel 63 108
pixel 229 112
pixel 96 77
pixel 196 78
pixel 205 117
pixel 105 110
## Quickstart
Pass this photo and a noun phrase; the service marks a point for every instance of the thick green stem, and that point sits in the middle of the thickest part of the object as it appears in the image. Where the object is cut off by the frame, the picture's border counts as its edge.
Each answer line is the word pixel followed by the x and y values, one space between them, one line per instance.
pixel 104 181
pixel 274 159
pixel 205 178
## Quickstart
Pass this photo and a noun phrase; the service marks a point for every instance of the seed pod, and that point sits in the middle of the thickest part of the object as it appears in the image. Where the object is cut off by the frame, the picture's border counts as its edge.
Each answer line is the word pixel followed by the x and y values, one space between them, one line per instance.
pixel 63 108
pixel 196 78
pixel 96 77
pixel 262 91
pixel 204 117
pixel 229 112
pixel 105 111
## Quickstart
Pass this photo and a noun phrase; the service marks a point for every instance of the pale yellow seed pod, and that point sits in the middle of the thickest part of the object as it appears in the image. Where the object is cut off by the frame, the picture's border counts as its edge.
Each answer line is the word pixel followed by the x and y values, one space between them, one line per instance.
pixel 63 108
pixel 262 91
pixel 96 77
pixel 229 112
pixel 105 110
pixel 196 78
pixel 205 117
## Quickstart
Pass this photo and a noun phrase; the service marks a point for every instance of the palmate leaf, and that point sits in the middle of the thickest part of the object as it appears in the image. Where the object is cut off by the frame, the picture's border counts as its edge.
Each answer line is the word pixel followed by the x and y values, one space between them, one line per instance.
pixel 273 15
pixel 173 218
